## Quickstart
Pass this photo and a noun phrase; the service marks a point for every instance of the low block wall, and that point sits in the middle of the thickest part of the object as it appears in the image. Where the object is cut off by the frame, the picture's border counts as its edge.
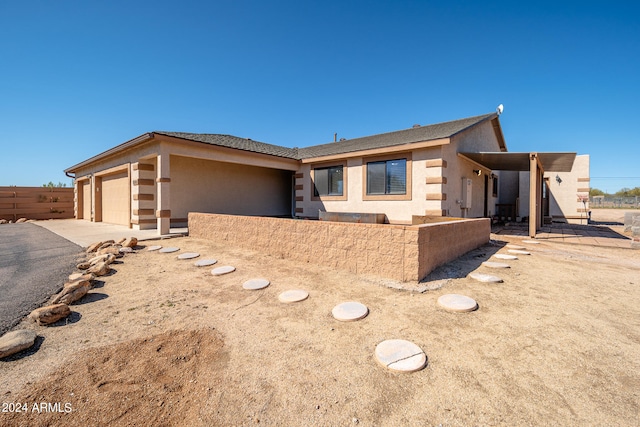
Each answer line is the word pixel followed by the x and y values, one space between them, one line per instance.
pixel 404 253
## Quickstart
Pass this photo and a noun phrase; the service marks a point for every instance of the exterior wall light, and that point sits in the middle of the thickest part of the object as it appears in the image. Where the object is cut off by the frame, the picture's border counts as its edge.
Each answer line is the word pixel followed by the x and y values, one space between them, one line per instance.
pixel 477 172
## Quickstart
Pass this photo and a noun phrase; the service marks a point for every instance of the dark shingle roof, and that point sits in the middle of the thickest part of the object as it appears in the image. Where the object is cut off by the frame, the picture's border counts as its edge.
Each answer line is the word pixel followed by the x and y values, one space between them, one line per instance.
pixel 390 139
pixel 238 143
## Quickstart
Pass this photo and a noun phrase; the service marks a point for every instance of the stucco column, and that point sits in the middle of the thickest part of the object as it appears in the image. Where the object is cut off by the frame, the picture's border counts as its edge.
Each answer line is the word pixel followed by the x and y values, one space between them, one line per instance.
pixel 163 205
pixel 533 194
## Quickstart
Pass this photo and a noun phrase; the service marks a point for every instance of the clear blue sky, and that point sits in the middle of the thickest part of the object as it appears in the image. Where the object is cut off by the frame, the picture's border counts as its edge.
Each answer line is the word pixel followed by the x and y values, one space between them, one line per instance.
pixel 79 77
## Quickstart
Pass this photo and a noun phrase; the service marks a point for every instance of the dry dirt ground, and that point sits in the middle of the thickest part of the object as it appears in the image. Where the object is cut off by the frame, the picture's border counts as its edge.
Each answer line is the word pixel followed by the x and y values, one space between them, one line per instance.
pixel 162 342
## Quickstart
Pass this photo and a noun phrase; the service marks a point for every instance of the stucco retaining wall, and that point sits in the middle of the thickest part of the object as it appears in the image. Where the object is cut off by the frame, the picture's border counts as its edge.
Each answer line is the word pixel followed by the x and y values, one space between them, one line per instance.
pixel 404 253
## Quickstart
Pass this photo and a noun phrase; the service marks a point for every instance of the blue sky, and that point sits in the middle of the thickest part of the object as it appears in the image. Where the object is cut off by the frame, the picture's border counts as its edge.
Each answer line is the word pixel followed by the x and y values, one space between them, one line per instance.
pixel 79 77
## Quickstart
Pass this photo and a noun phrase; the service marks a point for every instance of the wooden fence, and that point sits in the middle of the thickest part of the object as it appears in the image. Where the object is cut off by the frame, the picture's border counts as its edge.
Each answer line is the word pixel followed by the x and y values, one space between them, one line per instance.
pixel 36 203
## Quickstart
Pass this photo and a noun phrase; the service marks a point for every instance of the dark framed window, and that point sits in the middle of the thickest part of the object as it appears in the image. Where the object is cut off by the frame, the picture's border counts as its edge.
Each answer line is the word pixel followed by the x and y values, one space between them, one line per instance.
pixel 328 181
pixel 495 186
pixel 387 177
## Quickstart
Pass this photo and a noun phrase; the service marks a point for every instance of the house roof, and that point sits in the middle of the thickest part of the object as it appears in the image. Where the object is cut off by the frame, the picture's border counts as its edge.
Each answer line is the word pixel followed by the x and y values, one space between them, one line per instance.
pixel 390 139
pixel 238 143
pixel 383 140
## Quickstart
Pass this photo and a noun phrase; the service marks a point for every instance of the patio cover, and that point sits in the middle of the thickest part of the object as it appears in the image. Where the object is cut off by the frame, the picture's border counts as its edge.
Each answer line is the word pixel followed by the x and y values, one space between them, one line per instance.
pixel 536 164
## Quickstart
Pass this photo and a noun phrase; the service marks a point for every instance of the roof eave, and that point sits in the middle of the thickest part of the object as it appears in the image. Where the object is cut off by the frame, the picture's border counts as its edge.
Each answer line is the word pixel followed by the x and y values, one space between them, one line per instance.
pixel 117 149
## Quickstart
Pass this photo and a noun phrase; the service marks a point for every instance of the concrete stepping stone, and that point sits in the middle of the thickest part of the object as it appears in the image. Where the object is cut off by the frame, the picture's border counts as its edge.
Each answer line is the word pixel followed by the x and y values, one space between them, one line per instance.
pixel 492 264
pixel 519 252
pixel 153 248
pixel 225 269
pixel 295 295
pixel 16 341
pixel 400 355
pixel 169 250
pixel 518 247
pixel 255 284
pixel 485 278
pixel 205 262
pixel 457 303
pixel 531 242
pixel 188 255
pixel 505 256
pixel 350 311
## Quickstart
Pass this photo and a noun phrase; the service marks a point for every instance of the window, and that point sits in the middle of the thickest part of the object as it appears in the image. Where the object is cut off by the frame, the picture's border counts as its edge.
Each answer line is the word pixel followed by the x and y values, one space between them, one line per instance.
pixel 328 181
pixel 495 186
pixel 387 177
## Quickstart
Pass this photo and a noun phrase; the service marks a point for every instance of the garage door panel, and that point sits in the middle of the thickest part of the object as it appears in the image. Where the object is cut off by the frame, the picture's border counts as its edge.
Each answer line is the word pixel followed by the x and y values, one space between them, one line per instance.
pixel 115 198
pixel 86 200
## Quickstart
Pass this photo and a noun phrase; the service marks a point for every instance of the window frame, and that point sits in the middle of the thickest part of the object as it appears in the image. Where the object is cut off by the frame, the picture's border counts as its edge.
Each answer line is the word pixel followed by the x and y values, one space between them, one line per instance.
pixel 328 165
pixel 387 158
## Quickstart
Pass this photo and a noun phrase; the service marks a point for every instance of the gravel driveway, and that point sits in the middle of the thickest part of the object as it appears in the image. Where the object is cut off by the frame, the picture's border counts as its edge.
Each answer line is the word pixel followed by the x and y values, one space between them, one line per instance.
pixel 34 263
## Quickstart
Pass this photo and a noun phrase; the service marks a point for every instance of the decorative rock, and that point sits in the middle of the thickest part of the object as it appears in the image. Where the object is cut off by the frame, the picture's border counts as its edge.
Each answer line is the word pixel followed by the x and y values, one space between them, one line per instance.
pixel 188 255
pixel 505 256
pixel 293 296
pixel 50 314
pixel 255 284
pixel 130 242
pixel 21 220
pixel 106 258
pixel 94 247
pixel 486 278
pixel 400 355
pixel 205 262
pixel 78 277
pixel 126 250
pixel 105 244
pixel 492 264
pixel 223 270
pixel 169 250
pixel 72 293
pixel 3 221
pixel 119 242
pixel 457 303
pixel 518 247
pixel 113 250
pixel 350 311
pixel 154 248
pixel 519 252
pixel 16 341
pixel 83 266
pixel 99 269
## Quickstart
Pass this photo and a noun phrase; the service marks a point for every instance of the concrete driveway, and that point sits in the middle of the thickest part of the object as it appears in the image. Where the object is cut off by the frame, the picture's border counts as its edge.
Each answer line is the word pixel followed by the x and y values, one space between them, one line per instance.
pixel 34 264
pixel 84 233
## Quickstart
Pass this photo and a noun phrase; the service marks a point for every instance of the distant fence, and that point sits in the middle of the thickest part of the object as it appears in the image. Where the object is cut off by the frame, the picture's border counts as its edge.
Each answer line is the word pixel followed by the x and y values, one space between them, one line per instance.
pixel 36 203
pixel 614 202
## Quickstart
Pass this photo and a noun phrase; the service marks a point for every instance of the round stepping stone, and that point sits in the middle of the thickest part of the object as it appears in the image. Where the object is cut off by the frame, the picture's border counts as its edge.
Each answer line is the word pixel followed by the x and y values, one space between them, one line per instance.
pixel 531 242
pixel 188 255
pixel 169 250
pixel 505 256
pixel 486 278
pixel 205 262
pixel 518 247
pixel 223 270
pixel 492 264
pixel 519 252
pixel 153 248
pixel 457 303
pixel 350 311
pixel 293 296
pixel 400 355
pixel 255 284
pixel 126 250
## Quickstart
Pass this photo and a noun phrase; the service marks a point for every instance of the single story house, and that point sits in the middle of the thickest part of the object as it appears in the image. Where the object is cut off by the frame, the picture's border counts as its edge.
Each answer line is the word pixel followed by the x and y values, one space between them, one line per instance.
pixel 458 169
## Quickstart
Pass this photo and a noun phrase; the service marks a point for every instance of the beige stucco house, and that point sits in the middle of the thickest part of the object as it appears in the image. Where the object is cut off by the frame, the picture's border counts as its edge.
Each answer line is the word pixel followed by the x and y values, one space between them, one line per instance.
pixel 156 179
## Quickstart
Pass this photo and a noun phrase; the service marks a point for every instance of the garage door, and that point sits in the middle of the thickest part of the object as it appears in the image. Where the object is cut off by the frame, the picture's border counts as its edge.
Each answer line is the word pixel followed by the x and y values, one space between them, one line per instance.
pixel 86 199
pixel 115 198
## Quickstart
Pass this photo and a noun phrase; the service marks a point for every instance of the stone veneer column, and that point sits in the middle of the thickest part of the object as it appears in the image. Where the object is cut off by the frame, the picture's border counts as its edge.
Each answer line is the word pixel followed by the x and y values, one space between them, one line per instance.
pixel 163 206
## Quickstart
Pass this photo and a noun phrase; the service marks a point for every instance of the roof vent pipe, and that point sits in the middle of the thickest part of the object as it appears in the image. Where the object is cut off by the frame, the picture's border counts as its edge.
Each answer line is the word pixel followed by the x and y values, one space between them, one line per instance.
pixel 416 126
pixel 335 137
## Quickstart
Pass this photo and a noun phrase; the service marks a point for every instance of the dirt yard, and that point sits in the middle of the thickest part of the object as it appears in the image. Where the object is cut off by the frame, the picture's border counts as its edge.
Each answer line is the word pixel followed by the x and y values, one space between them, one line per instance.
pixel 162 342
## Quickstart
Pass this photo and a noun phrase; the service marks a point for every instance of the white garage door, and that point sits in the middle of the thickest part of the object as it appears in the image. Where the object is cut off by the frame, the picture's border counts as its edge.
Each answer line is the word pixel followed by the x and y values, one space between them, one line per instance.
pixel 115 198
